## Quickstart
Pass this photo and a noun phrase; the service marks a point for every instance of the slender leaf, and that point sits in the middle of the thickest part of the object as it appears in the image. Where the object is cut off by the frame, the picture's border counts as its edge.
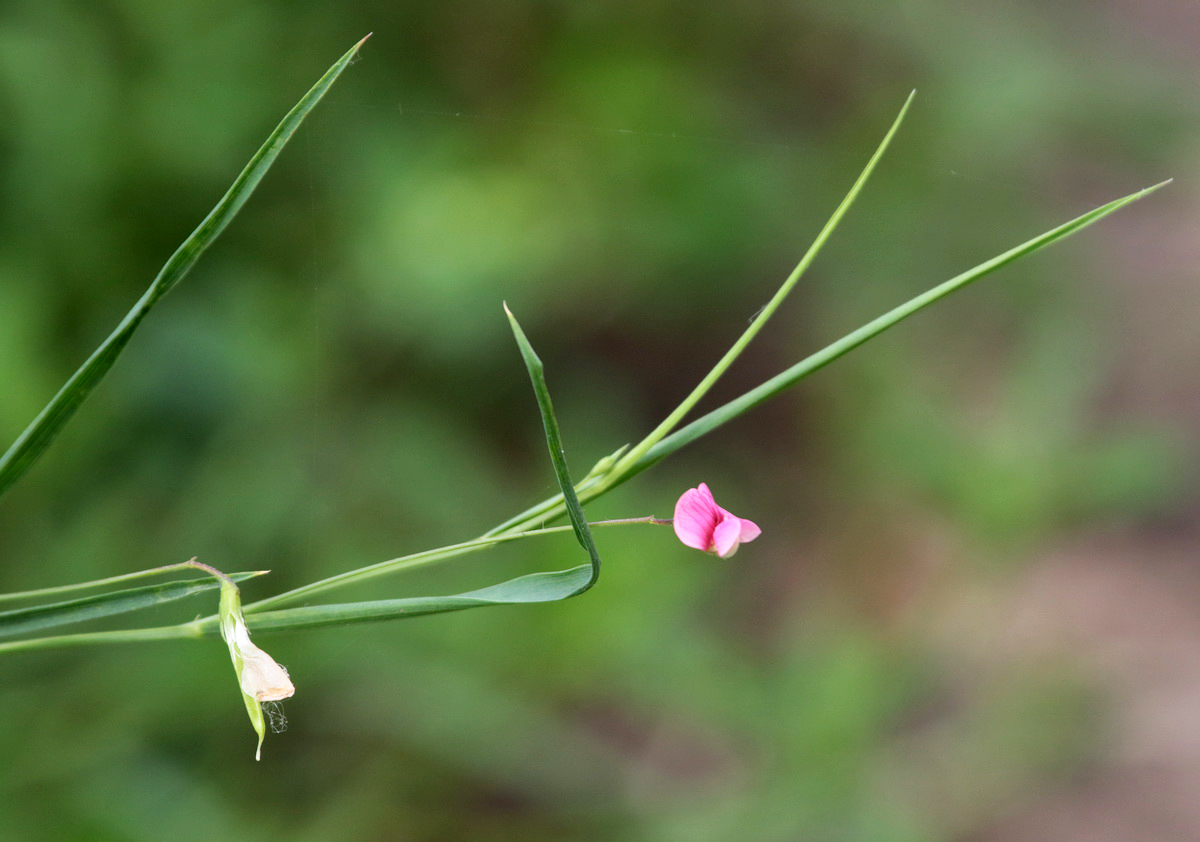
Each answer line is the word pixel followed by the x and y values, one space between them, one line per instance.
pixel 671 421
pixel 362 574
pixel 394 565
pixel 536 587
pixel 41 432
pixel 41 617
pixel 707 423
pixel 532 588
pixel 194 630
pixel 583 532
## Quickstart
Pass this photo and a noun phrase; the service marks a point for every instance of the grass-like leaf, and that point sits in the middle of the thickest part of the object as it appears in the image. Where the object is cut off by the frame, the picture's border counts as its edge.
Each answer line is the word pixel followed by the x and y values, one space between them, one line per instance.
pixel 671 421
pixel 107 582
pixel 707 423
pixel 537 376
pixel 536 587
pixel 30 445
pixel 41 617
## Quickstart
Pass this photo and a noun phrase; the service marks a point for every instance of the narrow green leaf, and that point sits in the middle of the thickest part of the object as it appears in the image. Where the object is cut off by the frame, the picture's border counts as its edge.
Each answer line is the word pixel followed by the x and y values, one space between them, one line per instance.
pixel 362 574
pixel 41 432
pixel 41 617
pixel 537 376
pixel 532 588
pixel 536 587
pixel 671 421
pixel 828 354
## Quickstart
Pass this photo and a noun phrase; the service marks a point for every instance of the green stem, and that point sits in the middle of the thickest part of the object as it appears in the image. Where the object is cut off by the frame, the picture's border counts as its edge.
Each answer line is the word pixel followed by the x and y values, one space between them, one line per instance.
pixel 194 630
pixel 114 580
pixel 548 509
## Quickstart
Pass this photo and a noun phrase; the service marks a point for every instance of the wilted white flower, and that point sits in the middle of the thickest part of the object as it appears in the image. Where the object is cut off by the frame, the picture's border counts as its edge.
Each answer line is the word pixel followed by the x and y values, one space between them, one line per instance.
pixel 261 678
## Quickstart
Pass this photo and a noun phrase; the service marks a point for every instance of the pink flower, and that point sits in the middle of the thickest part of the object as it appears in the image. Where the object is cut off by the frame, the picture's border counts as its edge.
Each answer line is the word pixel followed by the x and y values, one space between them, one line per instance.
pixel 701 523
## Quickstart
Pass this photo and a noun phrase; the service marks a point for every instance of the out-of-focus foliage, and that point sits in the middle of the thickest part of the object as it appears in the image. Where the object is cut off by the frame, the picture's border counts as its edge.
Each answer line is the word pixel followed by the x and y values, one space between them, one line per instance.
pixel 336 385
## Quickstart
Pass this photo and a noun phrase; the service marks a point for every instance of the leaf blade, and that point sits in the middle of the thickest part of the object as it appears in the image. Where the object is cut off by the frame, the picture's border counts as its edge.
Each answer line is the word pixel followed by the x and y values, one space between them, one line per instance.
pixel 814 362
pixel 639 450
pixel 531 588
pixel 552 508
pixel 41 432
pixel 583 532
pixel 523 590
pixel 40 617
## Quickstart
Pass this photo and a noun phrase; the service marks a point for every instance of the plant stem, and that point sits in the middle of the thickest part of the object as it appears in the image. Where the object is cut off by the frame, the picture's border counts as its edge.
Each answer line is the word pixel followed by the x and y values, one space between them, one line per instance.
pixel 194 630
pixel 114 580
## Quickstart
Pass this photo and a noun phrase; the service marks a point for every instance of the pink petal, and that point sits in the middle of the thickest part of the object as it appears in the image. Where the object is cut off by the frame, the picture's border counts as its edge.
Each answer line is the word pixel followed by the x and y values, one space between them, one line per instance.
pixel 727 536
pixel 750 530
pixel 696 516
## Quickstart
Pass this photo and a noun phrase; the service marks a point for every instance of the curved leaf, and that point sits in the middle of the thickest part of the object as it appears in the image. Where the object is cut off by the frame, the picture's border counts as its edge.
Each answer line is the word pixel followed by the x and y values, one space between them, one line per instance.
pixel 535 587
pixel 583 532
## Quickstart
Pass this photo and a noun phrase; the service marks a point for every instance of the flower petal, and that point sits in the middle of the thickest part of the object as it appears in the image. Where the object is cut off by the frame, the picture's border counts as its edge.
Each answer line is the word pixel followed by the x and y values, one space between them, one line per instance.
pixel 261 677
pixel 750 530
pixel 696 516
pixel 727 536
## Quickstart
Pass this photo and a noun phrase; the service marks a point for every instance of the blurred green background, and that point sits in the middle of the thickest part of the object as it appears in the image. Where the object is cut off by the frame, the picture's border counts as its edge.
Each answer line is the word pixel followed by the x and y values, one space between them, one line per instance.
pixel 973 611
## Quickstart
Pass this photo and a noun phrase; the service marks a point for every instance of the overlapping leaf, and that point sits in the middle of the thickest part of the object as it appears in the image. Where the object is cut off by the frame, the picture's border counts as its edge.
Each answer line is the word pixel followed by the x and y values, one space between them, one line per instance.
pixel 552 508
pixel 41 617
pixel 534 587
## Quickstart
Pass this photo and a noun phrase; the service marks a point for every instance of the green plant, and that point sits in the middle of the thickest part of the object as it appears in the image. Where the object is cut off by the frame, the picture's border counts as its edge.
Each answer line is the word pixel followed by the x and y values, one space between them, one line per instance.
pixel 233 621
